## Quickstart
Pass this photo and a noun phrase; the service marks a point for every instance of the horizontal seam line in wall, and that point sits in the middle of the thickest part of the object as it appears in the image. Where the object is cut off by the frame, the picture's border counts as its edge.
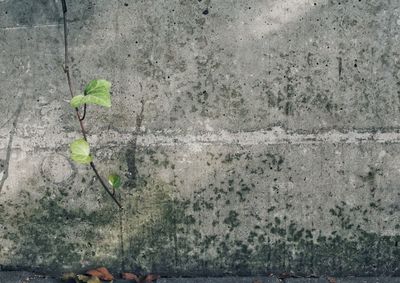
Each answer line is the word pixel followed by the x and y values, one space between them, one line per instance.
pixel 226 138
pixel 263 137
pixel 254 138
pixel 28 27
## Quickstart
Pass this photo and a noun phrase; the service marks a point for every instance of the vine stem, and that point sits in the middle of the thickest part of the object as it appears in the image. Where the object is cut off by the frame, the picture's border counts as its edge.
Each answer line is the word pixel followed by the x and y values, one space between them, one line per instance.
pixel 80 119
pixel 104 184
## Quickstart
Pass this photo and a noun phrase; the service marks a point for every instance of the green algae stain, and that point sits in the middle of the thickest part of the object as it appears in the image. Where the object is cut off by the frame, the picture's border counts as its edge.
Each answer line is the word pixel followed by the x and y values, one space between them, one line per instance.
pixel 365 254
pixel 50 236
pixel 232 220
pixel 158 237
pixel 154 220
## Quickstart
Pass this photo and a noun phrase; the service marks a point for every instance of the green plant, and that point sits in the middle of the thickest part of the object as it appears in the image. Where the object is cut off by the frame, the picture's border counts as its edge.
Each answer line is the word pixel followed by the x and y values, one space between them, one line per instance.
pixel 97 92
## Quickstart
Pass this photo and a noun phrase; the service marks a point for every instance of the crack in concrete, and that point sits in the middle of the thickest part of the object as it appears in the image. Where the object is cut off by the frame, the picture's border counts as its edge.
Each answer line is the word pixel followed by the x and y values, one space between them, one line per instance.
pixel 9 146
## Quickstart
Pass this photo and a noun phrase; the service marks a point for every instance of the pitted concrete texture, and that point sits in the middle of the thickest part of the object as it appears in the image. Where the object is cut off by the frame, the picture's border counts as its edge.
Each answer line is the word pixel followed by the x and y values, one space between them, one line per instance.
pixel 25 277
pixel 269 139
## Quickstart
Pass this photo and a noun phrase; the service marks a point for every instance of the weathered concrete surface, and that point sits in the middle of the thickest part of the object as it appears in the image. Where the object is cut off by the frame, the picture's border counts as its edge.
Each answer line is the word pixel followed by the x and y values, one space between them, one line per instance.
pixel 25 277
pixel 269 140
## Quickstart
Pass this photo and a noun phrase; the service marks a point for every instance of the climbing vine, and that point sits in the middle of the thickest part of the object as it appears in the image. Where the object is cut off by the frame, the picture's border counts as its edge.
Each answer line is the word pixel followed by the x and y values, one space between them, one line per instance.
pixel 97 92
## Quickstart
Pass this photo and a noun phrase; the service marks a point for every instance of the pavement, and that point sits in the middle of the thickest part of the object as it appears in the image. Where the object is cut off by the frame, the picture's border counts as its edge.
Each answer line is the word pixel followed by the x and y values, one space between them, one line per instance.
pixel 27 277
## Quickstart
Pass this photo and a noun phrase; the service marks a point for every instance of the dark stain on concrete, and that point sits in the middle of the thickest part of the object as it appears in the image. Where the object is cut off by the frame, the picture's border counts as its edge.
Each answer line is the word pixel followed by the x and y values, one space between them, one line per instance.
pixel 130 155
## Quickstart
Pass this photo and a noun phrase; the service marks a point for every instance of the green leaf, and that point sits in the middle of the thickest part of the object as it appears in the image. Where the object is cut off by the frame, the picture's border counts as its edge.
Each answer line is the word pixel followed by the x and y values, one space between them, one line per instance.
pixel 77 101
pixel 114 180
pixel 80 151
pixel 96 92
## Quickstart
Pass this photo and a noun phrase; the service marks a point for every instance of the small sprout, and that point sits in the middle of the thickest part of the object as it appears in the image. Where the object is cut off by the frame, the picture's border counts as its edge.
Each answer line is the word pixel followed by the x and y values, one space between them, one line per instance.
pixel 80 151
pixel 114 180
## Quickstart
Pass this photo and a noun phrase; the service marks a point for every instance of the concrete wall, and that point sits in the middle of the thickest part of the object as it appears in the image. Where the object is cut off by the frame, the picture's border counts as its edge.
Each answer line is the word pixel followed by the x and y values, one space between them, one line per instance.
pixel 269 139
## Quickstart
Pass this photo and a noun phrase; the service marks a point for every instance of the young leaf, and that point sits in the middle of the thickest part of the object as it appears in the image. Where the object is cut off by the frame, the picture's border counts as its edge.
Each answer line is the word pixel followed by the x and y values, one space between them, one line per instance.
pixel 96 92
pixel 114 180
pixel 80 151
pixel 77 101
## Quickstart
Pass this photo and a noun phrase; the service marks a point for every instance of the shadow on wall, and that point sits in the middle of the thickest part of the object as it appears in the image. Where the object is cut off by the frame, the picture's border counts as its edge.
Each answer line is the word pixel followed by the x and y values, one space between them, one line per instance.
pixel 25 13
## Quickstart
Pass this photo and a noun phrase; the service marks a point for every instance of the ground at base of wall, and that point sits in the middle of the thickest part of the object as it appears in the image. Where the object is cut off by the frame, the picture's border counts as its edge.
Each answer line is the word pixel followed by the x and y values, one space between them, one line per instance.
pixel 26 277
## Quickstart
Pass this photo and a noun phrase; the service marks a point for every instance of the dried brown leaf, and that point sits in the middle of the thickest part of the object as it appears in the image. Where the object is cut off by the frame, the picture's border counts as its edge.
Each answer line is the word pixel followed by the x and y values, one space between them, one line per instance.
pixel 149 278
pixel 102 273
pixel 130 276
